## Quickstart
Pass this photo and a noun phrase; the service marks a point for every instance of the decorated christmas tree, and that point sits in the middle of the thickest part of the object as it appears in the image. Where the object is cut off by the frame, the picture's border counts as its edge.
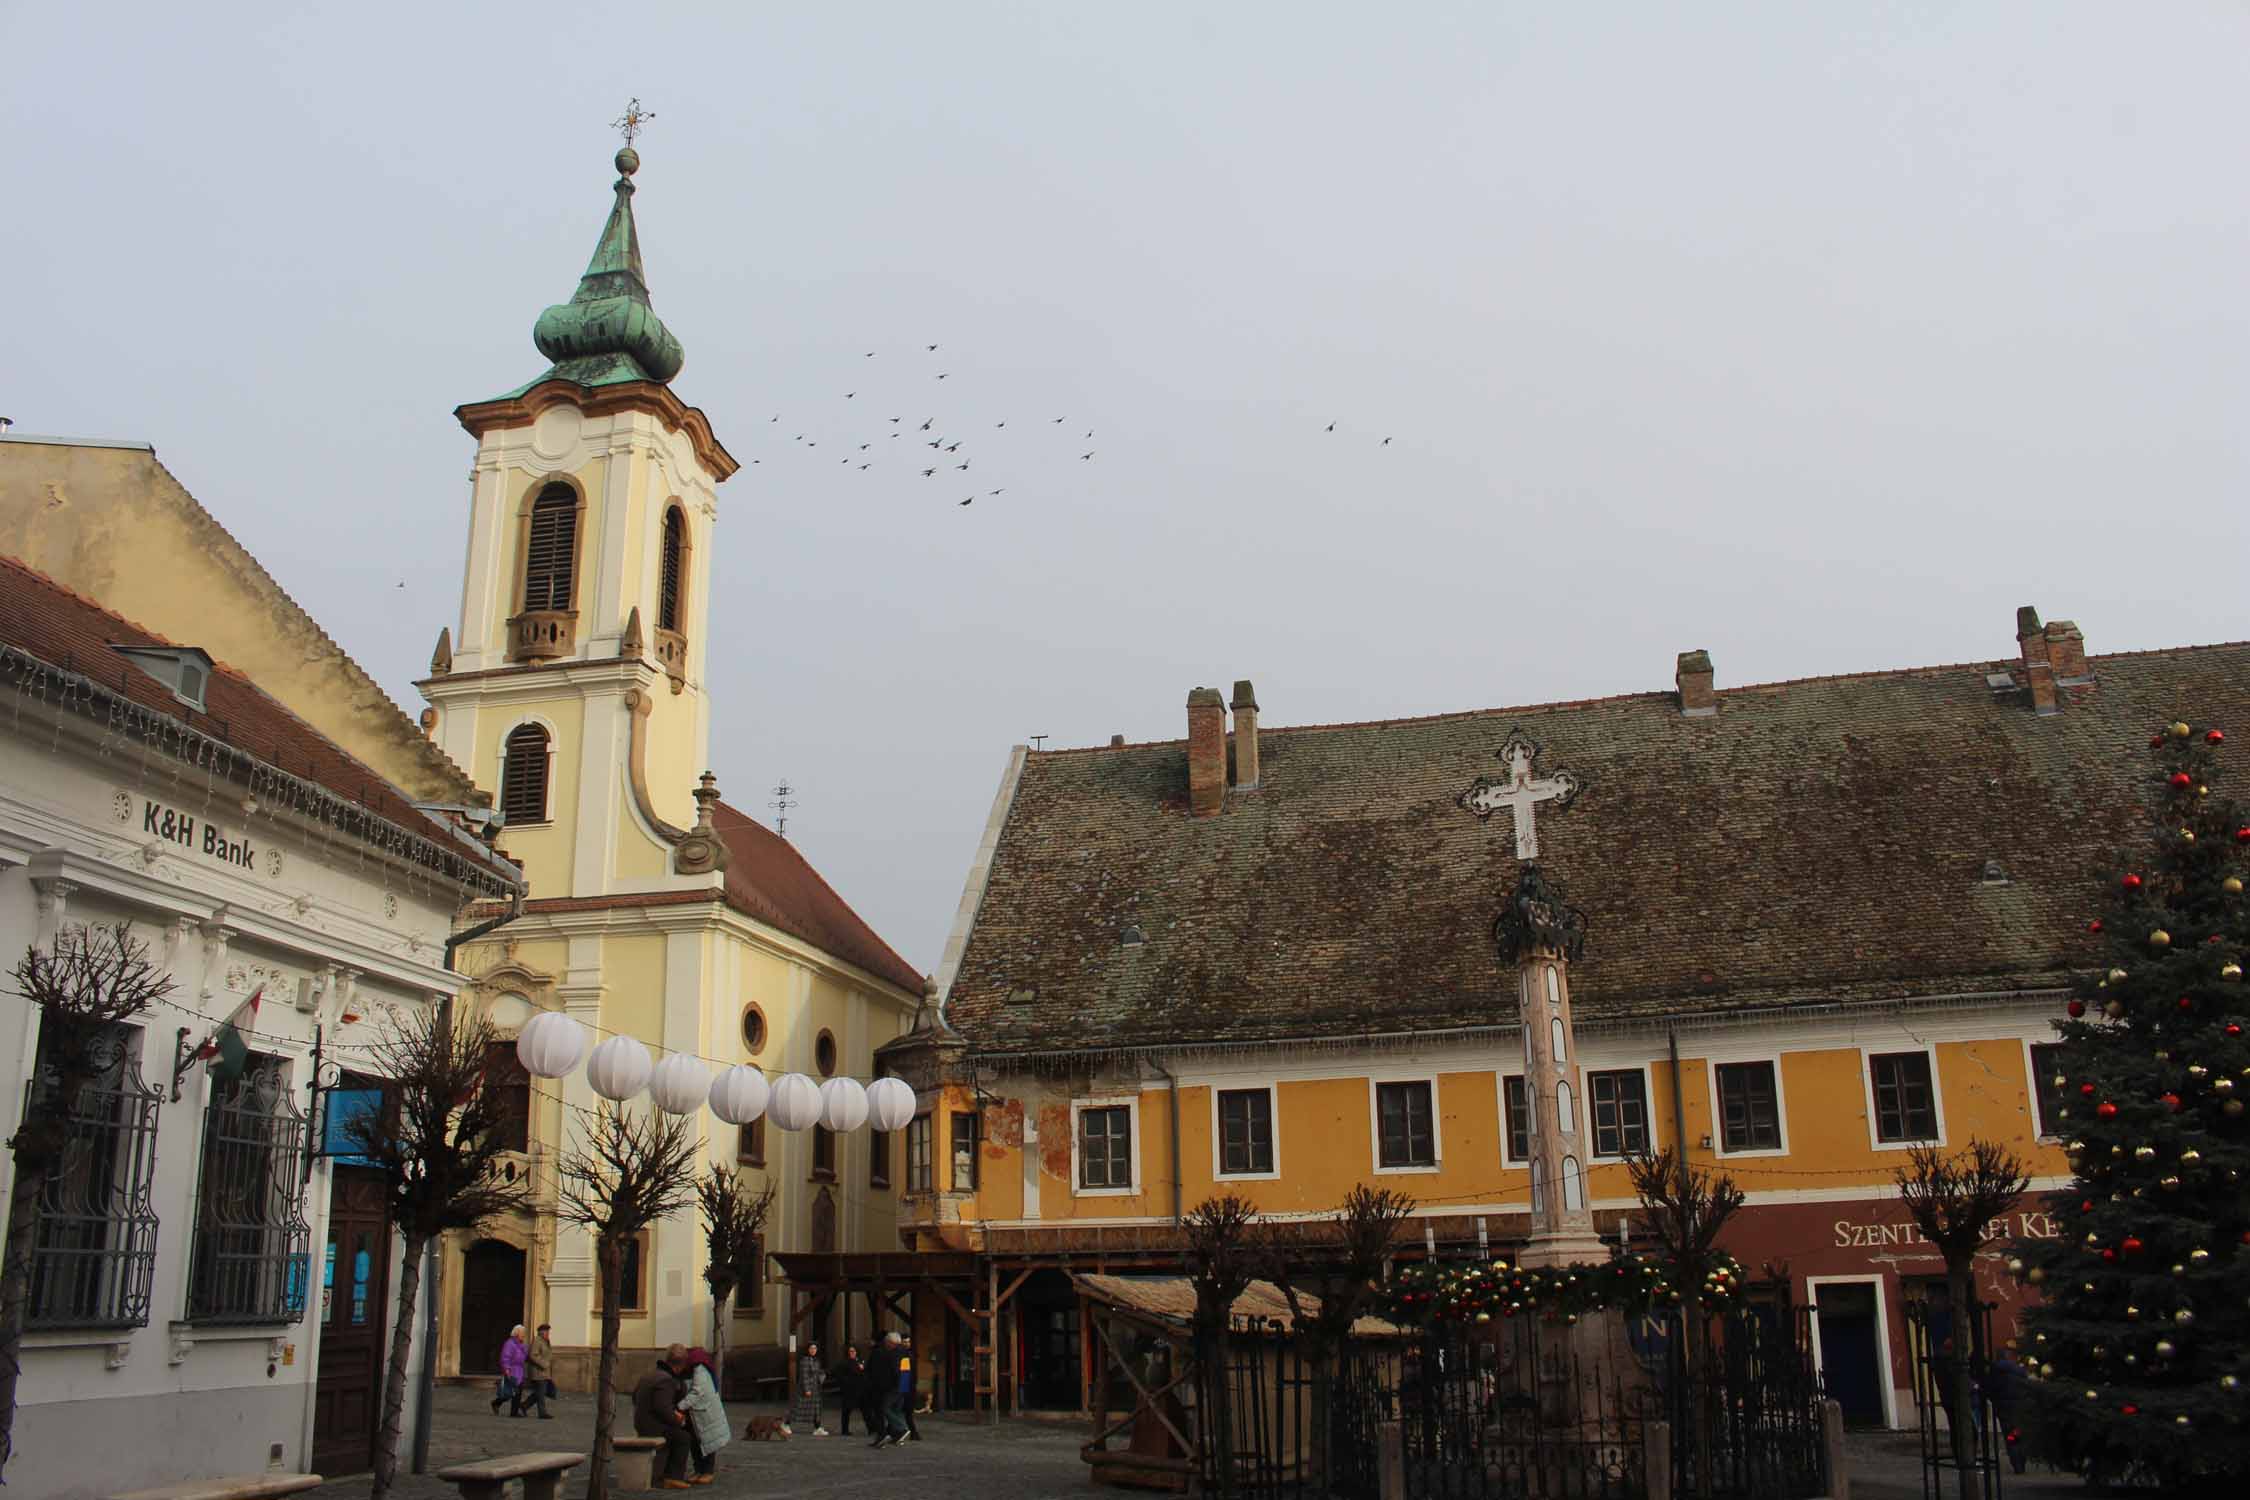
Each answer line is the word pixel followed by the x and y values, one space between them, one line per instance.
pixel 2139 1341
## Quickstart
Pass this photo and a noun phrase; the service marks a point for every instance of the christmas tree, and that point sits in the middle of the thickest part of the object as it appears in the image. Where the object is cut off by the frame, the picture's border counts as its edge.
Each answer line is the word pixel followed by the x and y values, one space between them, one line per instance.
pixel 2140 1337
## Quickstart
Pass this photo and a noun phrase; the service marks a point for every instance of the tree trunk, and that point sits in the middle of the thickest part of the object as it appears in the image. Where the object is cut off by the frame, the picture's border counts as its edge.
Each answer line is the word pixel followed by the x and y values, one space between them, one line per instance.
pixel 605 1377
pixel 37 1147
pixel 1698 1336
pixel 394 1378
pixel 1960 1404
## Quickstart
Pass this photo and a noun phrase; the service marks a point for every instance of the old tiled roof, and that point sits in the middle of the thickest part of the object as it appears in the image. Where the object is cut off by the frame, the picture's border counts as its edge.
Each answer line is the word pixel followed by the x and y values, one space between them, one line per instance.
pixel 768 879
pixel 1815 841
pixel 62 628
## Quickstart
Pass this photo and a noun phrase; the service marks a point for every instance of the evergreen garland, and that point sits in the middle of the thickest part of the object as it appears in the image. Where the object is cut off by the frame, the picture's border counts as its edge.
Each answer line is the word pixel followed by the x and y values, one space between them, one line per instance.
pixel 1430 1292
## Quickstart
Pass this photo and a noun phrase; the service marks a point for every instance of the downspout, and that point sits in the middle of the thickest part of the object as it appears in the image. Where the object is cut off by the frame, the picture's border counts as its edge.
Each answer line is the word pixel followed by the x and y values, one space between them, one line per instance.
pixel 1173 1084
pixel 425 1393
pixel 1679 1104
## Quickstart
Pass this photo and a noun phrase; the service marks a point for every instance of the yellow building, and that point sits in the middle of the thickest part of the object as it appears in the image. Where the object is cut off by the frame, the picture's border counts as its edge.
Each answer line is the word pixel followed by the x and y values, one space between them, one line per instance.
pixel 576 684
pixel 1823 921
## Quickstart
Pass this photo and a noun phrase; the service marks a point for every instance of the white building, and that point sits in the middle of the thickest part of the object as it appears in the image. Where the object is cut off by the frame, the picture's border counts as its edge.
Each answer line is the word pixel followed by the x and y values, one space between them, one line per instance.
pixel 212 1288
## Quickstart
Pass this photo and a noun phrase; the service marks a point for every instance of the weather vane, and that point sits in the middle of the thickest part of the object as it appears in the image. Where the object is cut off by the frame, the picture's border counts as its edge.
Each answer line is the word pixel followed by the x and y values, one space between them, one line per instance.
pixel 630 123
pixel 781 804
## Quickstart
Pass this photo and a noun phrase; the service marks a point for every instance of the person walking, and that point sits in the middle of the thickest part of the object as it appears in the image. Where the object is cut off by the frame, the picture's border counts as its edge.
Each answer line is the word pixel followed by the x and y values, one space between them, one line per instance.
pixel 706 1415
pixel 539 1372
pixel 851 1389
pixel 2004 1387
pixel 872 1386
pixel 909 1391
pixel 804 1410
pixel 656 1414
pixel 897 1369
pixel 510 1391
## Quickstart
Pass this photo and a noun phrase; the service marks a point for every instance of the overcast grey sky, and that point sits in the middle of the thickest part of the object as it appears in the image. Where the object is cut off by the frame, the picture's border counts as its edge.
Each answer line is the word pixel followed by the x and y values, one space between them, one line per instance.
pixel 1818 335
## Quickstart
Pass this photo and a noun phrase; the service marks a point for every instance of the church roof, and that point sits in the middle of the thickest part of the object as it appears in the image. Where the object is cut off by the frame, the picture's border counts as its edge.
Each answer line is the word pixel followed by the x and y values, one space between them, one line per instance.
pixel 48 623
pixel 1892 835
pixel 607 333
pixel 768 879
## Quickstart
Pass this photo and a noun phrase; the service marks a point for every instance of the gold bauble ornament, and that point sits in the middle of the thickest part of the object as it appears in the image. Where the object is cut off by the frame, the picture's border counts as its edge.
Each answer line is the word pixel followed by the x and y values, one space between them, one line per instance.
pixel 2178 1270
pixel 2184 1316
pixel 2232 885
pixel 2114 1009
pixel 2180 731
pixel 2035 1275
pixel 2143 1153
pixel 2046 1372
pixel 2188 834
pixel 2133 1312
pixel 2230 971
pixel 2170 1184
pixel 2197 1070
pixel 2191 1156
pixel 2199 1255
pixel 2101 1351
pixel 2182 1420
pixel 2116 976
pixel 2160 939
pixel 2232 1109
pixel 2228 1382
pixel 2222 1086
pixel 2163 1348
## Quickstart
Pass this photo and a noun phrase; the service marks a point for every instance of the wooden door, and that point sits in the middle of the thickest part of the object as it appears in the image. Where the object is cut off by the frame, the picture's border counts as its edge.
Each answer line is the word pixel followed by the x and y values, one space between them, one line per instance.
pixel 354 1295
pixel 491 1304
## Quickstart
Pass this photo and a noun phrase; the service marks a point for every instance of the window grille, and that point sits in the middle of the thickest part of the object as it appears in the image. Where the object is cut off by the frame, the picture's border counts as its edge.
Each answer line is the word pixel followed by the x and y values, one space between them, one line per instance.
pixel 251 1240
pixel 1749 1107
pixel 1105 1147
pixel 1409 1134
pixel 550 554
pixel 1245 1131
pixel 675 549
pixel 1620 1101
pixel 94 1258
pixel 918 1154
pixel 523 776
pixel 1905 1109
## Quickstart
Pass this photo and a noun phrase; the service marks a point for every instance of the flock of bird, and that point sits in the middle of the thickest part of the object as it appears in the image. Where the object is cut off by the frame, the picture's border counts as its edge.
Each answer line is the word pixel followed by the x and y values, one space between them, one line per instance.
pixel 941 439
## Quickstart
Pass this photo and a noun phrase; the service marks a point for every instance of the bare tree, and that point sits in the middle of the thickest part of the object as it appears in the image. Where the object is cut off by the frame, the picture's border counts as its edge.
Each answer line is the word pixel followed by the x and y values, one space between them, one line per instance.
pixel 627 1173
pixel 1957 1202
pixel 1222 1260
pixel 86 985
pixel 1684 1210
pixel 733 1219
pixel 437 1140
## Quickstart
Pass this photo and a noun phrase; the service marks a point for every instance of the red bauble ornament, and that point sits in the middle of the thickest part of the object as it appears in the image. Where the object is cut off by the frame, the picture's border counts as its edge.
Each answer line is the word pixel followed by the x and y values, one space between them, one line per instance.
pixel 2186 1003
pixel 2214 737
pixel 2086 1089
pixel 2233 1029
pixel 2095 925
pixel 2132 882
pixel 2076 1008
pixel 2085 1205
pixel 2109 1257
pixel 2242 834
pixel 2130 1410
pixel 2106 1110
pixel 2131 1244
pixel 2156 742
pixel 2172 1102
pixel 2182 780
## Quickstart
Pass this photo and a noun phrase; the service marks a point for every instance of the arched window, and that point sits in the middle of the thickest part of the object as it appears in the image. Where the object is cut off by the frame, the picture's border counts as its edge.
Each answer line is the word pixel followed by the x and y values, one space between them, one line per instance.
pixel 672 586
pixel 1558 1041
pixel 523 776
pixel 1538 1188
pixel 1573 1186
pixel 550 553
pixel 1566 1109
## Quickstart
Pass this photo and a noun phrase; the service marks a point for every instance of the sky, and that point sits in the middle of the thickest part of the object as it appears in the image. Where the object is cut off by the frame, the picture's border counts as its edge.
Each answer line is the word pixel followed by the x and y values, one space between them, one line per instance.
pixel 1820 337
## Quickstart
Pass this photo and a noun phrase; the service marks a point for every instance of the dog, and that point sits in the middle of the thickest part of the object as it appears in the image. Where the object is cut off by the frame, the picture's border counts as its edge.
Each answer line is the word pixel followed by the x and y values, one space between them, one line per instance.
pixel 768 1430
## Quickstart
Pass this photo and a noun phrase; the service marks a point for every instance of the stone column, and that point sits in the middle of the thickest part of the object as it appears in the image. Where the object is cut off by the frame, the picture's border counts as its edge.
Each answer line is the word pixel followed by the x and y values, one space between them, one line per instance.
pixel 1540 935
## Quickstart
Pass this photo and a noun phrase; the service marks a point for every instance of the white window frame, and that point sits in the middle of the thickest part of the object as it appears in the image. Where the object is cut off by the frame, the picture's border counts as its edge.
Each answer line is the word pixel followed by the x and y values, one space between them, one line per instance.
pixel 1884 1380
pixel 1586 1072
pixel 1711 1066
pixel 1272 1091
pixel 2031 1075
pixel 1867 1055
pixel 1375 1125
pixel 1132 1104
pixel 1500 1104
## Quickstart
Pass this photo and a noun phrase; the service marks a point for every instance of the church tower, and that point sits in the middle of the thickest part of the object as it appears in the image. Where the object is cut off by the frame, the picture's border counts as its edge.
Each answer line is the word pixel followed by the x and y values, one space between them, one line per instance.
pixel 576 683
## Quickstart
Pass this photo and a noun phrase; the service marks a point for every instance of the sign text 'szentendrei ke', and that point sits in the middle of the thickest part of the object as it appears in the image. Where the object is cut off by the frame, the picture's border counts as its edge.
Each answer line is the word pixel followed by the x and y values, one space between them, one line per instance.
pixel 159 821
pixel 1872 1236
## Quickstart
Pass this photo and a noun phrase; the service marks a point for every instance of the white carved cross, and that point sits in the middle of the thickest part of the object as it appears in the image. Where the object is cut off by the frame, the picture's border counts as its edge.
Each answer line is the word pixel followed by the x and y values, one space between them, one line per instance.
pixel 1520 792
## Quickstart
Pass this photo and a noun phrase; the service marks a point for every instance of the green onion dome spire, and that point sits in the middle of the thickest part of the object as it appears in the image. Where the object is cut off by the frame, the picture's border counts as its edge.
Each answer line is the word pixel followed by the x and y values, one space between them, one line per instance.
pixel 608 333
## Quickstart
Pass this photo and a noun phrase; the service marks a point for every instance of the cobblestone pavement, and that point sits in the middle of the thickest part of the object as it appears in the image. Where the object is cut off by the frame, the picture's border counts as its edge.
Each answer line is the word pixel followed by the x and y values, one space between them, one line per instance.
pixel 1014 1461
pixel 1888 1466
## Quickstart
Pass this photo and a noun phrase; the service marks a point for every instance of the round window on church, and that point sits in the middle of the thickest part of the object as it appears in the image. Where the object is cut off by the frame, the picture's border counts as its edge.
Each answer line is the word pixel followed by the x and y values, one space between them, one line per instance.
pixel 824 1054
pixel 753 1029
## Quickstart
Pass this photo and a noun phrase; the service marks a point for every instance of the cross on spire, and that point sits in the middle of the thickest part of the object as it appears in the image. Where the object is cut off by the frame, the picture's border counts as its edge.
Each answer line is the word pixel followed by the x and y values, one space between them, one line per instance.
pixel 1520 792
pixel 629 123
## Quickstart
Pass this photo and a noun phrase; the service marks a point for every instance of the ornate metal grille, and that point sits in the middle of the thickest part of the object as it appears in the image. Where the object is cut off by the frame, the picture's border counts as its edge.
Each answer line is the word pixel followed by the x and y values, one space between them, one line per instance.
pixel 251 1239
pixel 95 1256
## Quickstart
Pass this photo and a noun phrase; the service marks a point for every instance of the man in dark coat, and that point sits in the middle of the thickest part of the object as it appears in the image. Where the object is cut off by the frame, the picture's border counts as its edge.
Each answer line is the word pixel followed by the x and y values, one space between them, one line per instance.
pixel 908 1381
pixel 851 1389
pixel 656 1414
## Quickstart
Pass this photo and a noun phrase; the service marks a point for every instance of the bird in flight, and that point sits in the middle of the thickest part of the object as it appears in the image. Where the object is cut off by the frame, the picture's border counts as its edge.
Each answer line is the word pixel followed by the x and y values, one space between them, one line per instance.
pixel 1084 456
pixel 932 348
pixel 970 501
pixel 1001 490
pixel 849 394
pixel 863 447
pixel 1386 442
pixel 870 354
pixel 862 465
pixel 956 448
pixel 941 377
pixel 926 424
pixel 926 473
pixel 999 424
pixel 1331 427
pixel 1058 419
pixel 963 464
pixel 776 417
pixel 894 419
pixel 934 443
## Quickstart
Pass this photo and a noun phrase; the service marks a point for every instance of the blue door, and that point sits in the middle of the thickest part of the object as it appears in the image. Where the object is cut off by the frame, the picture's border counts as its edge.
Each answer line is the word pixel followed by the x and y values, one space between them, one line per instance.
pixel 1850 1354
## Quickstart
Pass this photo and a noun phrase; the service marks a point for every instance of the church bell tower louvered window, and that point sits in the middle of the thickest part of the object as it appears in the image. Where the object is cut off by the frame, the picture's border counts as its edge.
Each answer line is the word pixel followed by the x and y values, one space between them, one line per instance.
pixel 675 546
pixel 550 551
pixel 523 776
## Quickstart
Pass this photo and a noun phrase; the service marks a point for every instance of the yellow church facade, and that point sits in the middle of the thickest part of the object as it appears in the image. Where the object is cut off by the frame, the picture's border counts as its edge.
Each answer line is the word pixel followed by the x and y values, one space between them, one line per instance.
pixel 576 687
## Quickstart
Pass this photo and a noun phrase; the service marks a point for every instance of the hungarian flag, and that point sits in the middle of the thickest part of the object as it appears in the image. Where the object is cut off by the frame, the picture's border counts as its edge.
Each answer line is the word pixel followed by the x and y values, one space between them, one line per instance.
pixel 226 1050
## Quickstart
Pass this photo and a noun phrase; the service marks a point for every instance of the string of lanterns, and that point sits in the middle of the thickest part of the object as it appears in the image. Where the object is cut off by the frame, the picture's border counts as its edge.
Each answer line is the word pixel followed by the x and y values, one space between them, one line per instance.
pixel 551 1044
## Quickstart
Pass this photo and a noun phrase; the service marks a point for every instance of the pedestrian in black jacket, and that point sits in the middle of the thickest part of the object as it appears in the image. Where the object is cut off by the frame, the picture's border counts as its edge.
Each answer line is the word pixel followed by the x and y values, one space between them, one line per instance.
pixel 851 1389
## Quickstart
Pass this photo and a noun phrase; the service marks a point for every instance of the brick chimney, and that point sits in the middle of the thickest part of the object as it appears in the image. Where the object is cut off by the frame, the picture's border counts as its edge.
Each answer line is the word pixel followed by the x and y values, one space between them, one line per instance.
pixel 2066 652
pixel 1693 676
pixel 1245 708
pixel 2038 666
pixel 1207 752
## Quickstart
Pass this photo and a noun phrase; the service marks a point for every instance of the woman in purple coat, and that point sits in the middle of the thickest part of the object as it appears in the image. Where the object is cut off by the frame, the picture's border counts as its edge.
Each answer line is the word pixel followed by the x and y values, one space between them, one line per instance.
pixel 512 1356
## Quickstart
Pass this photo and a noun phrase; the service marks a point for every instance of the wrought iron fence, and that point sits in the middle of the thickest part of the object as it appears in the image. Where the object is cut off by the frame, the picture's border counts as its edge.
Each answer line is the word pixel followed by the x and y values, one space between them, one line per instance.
pixel 94 1258
pixel 1744 1403
pixel 251 1239
pixel 1949 1353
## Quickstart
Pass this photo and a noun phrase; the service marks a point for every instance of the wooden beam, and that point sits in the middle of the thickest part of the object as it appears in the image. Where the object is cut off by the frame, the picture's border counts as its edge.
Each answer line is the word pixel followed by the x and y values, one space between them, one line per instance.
pixel 973 1319
pixel 1000 1299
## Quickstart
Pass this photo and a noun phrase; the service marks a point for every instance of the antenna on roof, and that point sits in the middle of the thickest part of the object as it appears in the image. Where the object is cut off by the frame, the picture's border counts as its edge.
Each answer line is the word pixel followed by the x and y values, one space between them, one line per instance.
pixel 1038 741
pixel 781 804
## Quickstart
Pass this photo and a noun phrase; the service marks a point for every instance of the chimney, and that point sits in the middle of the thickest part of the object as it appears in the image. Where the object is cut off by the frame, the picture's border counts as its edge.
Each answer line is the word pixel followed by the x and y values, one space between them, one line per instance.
pixel 1207 752
pixel 1245 707
pixel 1117 742
pixel 2038 667
pixel 2066 651
pixel 1693 675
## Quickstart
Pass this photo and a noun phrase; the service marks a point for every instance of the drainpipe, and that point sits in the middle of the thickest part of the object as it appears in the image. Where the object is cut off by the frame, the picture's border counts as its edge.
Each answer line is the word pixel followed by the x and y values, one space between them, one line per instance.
pixel 1173 1084
pixel 425 1392
pixel 1679 1105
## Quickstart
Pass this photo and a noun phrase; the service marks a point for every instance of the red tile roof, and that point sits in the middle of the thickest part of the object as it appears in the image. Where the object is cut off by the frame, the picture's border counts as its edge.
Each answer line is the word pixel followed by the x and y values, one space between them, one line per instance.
pixel 44 620
pixel 769 880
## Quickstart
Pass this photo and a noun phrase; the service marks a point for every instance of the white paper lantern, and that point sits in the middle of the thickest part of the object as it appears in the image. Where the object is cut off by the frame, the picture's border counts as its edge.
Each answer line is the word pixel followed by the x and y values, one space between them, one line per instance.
pixel 843 1104
pixel 679 1084
pixel 738 1095
pixel 550 1044
pixel 795 1104
pixel 619 1068
pixel 890 1103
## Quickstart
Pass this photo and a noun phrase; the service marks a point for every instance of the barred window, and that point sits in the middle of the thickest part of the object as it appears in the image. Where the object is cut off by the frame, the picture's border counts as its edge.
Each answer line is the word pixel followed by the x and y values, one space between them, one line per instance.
pixel 1620 1100
pixel 251 1239
pixel 523 776
pixel 918 1154
pixel 550 563
pixel 94 1257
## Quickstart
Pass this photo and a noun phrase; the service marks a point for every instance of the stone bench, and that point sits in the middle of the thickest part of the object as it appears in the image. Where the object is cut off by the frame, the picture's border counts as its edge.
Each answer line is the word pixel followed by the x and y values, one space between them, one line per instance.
pixel 487 1478
pixel 634 1459
pixel 228 1487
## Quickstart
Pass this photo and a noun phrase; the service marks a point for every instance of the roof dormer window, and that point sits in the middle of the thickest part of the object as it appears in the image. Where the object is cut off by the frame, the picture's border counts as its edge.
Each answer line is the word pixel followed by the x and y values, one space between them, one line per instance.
pixel 184 669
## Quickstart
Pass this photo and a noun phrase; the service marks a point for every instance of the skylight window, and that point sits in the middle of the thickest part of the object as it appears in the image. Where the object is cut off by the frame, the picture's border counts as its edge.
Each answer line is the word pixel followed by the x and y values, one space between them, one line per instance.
pixel 183 669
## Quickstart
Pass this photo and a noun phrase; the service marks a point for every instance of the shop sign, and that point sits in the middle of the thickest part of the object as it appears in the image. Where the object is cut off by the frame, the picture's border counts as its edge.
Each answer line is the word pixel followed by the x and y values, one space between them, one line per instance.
pixel 195 835
pixel 1868 1234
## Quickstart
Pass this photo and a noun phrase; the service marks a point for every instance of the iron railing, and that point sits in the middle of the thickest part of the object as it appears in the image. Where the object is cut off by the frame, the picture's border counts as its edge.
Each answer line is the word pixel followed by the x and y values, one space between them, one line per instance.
pixel 1949 1352
pixel 251 1239
pixel 94 1259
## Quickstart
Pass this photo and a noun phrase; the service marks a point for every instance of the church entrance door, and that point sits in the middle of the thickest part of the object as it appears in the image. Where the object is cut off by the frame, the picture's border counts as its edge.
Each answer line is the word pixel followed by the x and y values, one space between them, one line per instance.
pixel 491 1304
